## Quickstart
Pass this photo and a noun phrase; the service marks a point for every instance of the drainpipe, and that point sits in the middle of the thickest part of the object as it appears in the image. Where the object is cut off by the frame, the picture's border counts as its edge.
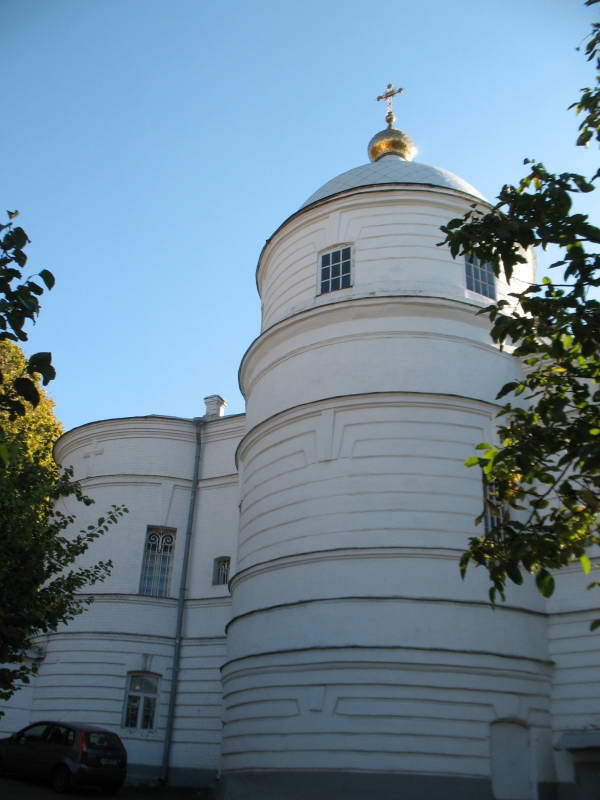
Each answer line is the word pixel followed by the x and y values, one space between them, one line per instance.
pixel 164 775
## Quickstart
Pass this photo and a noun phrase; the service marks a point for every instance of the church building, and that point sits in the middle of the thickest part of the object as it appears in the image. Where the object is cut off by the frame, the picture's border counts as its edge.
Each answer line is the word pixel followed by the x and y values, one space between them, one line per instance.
pixel 285 617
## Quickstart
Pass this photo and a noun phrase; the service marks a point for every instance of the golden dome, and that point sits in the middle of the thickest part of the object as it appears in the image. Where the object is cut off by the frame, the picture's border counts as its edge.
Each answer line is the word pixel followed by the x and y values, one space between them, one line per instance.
pixel 391 141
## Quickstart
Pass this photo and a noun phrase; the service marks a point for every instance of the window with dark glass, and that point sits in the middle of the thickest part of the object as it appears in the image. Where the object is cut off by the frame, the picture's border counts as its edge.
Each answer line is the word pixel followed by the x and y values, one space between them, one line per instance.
pixel 221 570
pixel 158 561
pixel 140 708
pixel 335 270
pixel 480 277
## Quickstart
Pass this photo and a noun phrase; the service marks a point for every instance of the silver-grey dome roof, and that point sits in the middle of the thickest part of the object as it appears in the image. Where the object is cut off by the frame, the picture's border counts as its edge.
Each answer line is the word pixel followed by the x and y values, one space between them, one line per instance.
pixel 392 169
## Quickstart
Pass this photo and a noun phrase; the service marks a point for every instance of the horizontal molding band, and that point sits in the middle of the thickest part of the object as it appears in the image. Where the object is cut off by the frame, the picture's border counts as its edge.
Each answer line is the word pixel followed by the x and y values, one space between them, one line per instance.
pixel 384 397
pixel 341 306
pixel 389 648
pixel 385 598
pixel 333 553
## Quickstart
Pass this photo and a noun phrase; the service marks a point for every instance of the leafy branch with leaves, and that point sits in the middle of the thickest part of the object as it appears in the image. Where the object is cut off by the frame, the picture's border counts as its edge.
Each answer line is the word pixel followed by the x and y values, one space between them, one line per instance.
pixel 19 304
pixel 546 465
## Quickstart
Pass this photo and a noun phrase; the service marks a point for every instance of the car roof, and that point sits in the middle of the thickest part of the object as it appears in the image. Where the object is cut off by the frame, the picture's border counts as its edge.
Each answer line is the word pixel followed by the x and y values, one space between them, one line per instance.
pixel 83 726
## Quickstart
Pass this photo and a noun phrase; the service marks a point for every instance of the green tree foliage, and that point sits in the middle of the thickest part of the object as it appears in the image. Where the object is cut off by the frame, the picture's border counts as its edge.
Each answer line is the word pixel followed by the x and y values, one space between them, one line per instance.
pixel 39 586
pixel 547 462
pixel 19 304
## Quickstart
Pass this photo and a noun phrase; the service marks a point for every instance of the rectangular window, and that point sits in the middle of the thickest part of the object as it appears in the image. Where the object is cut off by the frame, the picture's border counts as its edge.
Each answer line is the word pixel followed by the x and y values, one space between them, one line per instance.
pixel 140 708
pixel 493 514
pixel 221 570
pixel 335 270
pixel 158 561
pixel 480 277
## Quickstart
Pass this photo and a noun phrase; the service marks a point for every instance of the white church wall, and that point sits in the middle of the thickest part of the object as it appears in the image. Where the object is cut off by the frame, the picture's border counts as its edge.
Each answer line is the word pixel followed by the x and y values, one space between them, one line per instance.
pixel 196 742
pixel 398 345
pixel 144 463
pixel 393 234
pixel 152 445
pixel 375 469
pixel 373 709
pixel 511 771
pixel 354 514
pixel 575 651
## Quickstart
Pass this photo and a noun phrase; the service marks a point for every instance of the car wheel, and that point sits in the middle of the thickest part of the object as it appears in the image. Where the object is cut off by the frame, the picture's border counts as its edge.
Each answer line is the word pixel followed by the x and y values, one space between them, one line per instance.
pixel 111 788
pixel 61 780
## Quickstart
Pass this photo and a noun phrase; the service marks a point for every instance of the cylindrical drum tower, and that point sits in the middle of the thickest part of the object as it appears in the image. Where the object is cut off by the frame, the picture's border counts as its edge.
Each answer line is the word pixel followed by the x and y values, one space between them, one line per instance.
pixel 359 664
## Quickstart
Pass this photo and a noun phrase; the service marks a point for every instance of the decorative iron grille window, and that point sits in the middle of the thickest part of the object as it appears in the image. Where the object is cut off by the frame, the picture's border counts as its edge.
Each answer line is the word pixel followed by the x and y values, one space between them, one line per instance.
pixel 480 277
pixel 158 561
pixel 221 570
pixel 493 514
pixel 335 270
pixel 140 706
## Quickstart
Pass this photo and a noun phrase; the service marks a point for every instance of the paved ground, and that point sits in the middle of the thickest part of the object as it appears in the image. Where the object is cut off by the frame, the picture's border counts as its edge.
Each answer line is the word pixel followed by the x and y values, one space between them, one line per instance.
pixel 11 789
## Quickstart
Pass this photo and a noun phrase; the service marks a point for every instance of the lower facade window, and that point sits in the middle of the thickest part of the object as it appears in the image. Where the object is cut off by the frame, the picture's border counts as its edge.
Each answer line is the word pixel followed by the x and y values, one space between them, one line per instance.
pixel 221 570
pixel 480 277
pixel 335 270
pixel 158 561
pixel 140 707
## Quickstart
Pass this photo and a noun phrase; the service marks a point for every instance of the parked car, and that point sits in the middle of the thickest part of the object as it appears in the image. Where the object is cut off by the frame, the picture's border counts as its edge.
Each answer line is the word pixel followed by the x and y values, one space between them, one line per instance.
pixel 68 754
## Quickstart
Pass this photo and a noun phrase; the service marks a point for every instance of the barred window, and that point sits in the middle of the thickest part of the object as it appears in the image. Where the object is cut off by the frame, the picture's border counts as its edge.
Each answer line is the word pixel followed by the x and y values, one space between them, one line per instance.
pixel 493 514
pixel 158 561
pixel 221 570
pixel 335 272
pixel 140 705
pixel 480 277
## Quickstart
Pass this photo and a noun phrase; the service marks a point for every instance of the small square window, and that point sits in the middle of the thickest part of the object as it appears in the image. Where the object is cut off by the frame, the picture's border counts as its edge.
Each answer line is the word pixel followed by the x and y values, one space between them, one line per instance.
pixel 480 277
pixel 335 270
pixel 221 570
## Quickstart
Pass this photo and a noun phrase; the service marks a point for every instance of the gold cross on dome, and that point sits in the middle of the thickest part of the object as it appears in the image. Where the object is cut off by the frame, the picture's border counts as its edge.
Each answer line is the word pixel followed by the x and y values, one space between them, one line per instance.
pixel 387 96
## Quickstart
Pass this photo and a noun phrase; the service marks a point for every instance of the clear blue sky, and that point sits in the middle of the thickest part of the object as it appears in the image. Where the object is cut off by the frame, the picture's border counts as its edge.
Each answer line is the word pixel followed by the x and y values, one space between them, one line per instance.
pixel 153 146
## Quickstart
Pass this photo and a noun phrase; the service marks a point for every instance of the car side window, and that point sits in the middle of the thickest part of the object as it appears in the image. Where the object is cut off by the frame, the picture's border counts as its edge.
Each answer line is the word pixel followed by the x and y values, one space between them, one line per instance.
pixel 33 734
pixel 54 735
pixel 60 735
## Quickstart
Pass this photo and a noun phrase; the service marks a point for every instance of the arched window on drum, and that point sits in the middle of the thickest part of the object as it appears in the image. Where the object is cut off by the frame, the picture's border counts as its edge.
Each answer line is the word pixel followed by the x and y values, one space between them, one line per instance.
pixel 158 561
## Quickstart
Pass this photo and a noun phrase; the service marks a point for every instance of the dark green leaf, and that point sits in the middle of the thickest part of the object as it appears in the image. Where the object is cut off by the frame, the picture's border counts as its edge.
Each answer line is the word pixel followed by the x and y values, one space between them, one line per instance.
pixel 26 388
pixel 514 573
pixel 545 583
pixel 47 277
